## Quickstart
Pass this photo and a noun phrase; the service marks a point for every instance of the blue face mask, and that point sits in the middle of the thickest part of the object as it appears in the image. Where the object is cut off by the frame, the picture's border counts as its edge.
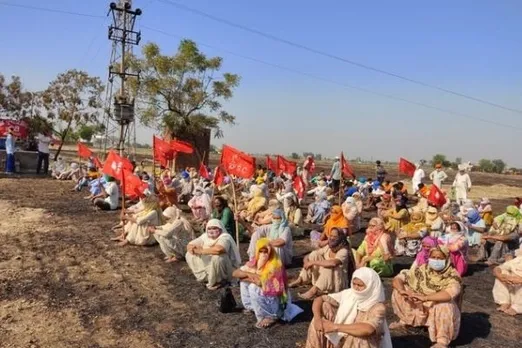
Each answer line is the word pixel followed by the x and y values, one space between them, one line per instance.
pixel 437 265
pixel 276 223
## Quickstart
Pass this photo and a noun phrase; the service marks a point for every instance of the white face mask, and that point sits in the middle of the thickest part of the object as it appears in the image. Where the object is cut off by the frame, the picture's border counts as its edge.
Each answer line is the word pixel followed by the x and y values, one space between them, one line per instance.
pixel 436 265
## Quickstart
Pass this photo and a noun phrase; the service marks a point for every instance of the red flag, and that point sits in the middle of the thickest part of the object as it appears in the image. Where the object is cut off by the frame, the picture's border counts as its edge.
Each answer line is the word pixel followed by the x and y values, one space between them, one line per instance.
pixel 436 197
pixel 133 186
pixel 299 186
pixel 162 151
pixel 181 146
pixel 219 176
pixel 237 163
pixel 309 164
pixel 346 168
pixel 114 164
pixel 203 171
pixel 84 151
pixel 285 166
pixel 406 167
pixel 270 164
pixel 96 161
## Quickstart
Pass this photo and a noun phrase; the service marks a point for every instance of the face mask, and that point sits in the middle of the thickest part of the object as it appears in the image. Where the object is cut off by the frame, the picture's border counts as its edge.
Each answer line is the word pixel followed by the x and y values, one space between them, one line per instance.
pixel 276 223
pixel 437 265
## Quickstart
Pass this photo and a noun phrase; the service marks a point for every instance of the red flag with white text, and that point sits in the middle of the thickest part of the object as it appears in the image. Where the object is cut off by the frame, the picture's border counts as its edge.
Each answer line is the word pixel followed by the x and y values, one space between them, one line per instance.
pixel 114 164
pixel 436 197
pixel 134 186
pixel 237 163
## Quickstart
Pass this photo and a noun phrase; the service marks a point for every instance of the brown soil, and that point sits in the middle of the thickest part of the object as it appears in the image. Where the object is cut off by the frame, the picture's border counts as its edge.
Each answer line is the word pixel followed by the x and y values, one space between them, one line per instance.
pixel 63 283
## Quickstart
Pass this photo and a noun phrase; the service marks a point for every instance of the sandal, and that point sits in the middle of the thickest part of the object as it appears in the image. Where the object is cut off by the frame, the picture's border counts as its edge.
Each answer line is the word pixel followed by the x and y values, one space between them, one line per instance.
pixel 265 323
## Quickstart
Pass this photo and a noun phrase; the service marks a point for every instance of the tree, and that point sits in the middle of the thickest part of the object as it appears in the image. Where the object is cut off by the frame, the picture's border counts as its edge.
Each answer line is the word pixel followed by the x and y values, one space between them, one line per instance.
pixel 15 102
pixel 72 99
pixel 318 156
pixel 458 160
pixel 86 132
pixel 181 94
pixel 498 166
pixel 486 165
pixel 294 155
pixel 440 158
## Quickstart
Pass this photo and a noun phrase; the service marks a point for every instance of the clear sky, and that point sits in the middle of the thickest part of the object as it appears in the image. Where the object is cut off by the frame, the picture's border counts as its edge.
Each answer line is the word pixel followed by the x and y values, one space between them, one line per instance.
pixel 470 46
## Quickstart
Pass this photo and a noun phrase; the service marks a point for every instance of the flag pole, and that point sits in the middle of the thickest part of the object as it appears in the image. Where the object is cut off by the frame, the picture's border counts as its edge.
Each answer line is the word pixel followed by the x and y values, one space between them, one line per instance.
pixel 235 204
pixel 341 183
pixel 123 193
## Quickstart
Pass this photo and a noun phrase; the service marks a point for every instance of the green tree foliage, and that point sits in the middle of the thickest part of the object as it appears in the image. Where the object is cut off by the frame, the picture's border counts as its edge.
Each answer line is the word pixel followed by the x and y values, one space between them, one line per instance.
pixel 294 155
pixel 486 165
pixel 182 94
pixel 15 101
pixel 440 158
pixel 71 100
pixel 499 165
pixel 86 132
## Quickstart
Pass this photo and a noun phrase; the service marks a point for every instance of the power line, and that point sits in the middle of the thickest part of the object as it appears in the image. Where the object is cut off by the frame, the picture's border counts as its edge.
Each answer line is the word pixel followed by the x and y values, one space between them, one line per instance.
pixel 333 56
pixel 428 106
pixel 50 10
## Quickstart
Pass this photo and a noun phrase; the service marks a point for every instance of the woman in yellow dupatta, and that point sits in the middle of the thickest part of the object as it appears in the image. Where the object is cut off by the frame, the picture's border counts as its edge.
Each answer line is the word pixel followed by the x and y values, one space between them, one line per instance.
pixel 337 220
pixel 254 206
pixel 408 240
pixel 136 230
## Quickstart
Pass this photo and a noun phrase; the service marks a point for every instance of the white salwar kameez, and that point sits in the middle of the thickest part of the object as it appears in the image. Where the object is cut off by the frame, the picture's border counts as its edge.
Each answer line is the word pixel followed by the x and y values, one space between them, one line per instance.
pixel 174 237
pixel 462 184
pixel 137 233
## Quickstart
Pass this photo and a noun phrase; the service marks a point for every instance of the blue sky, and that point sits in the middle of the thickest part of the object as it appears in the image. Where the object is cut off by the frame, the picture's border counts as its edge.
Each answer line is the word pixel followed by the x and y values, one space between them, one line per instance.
pixel 472 47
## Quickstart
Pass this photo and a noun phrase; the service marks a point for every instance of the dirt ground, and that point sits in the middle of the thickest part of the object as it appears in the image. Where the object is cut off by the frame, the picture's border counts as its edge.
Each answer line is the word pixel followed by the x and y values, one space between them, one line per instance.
pixel 63 283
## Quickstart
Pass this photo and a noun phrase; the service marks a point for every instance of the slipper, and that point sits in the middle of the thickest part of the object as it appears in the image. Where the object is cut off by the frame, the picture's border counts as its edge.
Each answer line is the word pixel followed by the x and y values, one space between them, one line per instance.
pixel 268 323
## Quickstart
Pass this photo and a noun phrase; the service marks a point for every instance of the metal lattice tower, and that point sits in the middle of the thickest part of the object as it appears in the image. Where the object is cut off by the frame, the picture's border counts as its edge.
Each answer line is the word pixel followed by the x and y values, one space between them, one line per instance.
pixel 119 118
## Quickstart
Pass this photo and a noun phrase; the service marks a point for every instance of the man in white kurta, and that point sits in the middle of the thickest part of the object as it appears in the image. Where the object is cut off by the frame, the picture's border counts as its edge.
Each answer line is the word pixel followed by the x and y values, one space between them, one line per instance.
pixel 438 176
pixel 462 185
pixel 207 265
pixel 417 178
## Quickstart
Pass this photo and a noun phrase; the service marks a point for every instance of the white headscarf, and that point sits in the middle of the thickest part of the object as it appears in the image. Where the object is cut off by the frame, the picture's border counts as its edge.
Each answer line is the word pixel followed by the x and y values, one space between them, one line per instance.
pixel 351 301
pixel 208 242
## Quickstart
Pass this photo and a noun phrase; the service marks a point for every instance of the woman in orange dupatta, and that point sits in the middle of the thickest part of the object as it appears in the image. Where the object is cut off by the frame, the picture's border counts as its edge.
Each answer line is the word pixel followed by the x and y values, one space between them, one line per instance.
pixel 335 220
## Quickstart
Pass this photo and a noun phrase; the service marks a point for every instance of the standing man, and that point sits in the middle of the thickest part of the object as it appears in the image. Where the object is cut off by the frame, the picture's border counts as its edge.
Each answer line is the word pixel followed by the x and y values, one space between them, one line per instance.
pixel 308 168
pixel 335 175
pixel 462 185
pixel 417 178
pixel 9 151
pixel 380 172
pixel 438 176
pixel 43 151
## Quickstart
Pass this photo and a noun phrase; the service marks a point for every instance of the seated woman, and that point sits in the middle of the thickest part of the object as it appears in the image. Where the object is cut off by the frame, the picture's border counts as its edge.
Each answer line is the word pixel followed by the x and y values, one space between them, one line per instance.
pixel 295 219
pixel 277 232
pixel 376 250
pixel 423 255
pixel 456 242
pixel 476 227
pixel 352 215
pixel 174 236
pixel 408 240
pixel 427 296
pixel 136 230
pixel 486 211
pixel 507 290
pixel 73 173
pixel 434 223
pixel 384 205
pixel 328 269
pixel 337 220
pixel 223 213
pixel 200 204
pixel 263 286
pixel 503 235
pixel 320 188
pixel 92 174
pixel 318 210
pixel 286 197
pixel 167 194
pixel 213 256
pixel 254 206
pixel 398 217
pixel 264 217
pixel 355 317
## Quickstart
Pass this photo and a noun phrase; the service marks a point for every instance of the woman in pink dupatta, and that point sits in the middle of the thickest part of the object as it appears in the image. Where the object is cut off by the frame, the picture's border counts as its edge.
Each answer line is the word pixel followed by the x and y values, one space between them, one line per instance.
pixel 457 243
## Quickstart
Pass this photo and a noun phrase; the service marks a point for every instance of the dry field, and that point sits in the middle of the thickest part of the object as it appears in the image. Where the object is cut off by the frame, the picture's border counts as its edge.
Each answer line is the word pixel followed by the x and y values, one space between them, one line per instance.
pixel 63 283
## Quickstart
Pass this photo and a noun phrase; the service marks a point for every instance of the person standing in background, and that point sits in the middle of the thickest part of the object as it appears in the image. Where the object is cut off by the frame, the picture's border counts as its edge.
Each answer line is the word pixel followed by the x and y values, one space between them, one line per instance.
pixel 462 185
pixel 335 175
pixel 44 140
pixel 417 178
pixel 438 175
pixel 10 150
pixel 380 172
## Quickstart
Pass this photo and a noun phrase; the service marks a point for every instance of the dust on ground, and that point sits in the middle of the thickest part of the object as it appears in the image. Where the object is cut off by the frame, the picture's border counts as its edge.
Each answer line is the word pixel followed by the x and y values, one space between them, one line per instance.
pixel 63 283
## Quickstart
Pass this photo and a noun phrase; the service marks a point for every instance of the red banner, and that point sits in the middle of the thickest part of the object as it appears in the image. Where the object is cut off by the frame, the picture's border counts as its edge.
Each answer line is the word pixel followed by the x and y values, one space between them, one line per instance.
pixel 114 164
pixel 162 151
pixel 84 151
pixel 20 128
pixel 181 146
pixel 436 197
pixel 270 164
pixel 299 186
pixel 219 176
pixel 237 163
pixel 285 166
pixel 133 186
pixel 406 167
pixel 203 171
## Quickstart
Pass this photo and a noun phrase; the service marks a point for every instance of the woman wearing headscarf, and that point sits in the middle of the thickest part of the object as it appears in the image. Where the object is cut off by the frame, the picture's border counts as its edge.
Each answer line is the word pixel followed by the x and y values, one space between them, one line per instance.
pixel 277 232
pixel 475 228
pixel 385 204
pixel 328 269
pixel 427 296
pixel 295 219
pixel 336 220
pixel 423 255
pixel 486 211
pixel 408 241
pixel 318 210
pixel 503 235
pixel 263 285
pixel 398 217
pixel 507 290
pixel 200 204
pixel 286 196
pixel 167 194
pixel 352 215
pixel 355 317
pixel 265 217
pixel 213 256
pixel 222 212
pixel 254 206
pixel 456 242
pixel 174 236
pixel 434 222
pixel 376 250
pixel 320 188
pixel 136 231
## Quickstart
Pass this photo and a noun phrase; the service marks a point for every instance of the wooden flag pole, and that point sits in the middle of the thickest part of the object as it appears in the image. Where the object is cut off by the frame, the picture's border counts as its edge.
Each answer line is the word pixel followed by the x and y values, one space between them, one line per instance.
pixel 341 183
pixel 235 204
